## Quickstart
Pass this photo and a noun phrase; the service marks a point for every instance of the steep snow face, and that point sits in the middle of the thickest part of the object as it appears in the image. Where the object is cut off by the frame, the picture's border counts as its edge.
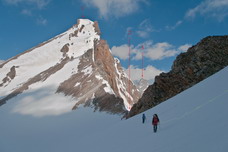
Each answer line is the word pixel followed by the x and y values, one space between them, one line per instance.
pixel 41 98
pixel 48 54
pixel 83 39
pixel 73 68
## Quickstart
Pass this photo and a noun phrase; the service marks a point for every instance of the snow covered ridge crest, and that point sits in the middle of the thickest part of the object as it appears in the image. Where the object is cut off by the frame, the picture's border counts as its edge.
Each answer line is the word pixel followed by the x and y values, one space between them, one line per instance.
pixel 76 65
pixel 1 61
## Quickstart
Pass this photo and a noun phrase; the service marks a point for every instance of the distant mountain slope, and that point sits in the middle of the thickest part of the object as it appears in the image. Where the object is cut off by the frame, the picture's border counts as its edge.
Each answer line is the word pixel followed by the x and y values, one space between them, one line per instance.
pixel 200 61
pixel 142 85
pixel 76 67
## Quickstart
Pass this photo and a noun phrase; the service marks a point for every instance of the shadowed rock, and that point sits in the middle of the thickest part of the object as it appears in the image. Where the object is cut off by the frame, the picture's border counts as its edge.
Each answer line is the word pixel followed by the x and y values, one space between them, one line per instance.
pixel 200 61
pixel 10 76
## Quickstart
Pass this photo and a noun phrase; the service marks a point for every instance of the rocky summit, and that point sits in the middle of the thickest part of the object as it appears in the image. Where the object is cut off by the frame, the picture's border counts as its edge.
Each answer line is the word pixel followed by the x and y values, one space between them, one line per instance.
pixel 200 61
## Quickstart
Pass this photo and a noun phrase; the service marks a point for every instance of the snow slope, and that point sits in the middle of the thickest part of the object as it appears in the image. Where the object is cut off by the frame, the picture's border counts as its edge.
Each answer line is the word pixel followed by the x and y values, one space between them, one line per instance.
pixel 193 121
pixel 48 54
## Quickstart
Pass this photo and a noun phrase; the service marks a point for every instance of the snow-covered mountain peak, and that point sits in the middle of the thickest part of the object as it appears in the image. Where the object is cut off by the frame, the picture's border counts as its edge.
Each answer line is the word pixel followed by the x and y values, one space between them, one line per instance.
pixel 85 22
pixel 142 85
pixel 76 64
pixel 85 27
pixel 82 35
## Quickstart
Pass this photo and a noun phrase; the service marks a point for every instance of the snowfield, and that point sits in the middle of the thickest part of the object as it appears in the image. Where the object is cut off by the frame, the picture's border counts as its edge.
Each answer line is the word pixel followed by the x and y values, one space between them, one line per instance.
pixel 193 121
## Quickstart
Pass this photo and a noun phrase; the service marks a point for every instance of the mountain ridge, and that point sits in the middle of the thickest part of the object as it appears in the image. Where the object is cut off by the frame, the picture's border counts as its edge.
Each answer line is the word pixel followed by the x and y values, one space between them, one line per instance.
pixel 200 61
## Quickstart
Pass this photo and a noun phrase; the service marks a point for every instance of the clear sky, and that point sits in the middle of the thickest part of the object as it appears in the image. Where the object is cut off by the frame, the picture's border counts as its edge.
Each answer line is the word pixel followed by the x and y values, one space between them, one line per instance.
pixel 164 28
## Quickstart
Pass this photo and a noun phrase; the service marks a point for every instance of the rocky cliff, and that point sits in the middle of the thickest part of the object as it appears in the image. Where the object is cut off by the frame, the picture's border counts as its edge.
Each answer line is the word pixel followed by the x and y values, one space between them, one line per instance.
pixel 200 61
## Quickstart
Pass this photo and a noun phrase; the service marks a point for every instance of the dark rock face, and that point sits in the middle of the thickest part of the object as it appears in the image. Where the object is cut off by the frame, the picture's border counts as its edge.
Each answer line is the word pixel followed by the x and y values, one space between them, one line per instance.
pixel 9 75
pixel 97 29
pixel 200 61
pixel 65 49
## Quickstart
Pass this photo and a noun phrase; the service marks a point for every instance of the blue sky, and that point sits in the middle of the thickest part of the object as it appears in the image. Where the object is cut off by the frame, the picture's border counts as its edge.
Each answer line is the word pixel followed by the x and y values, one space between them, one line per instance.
pixel 165 28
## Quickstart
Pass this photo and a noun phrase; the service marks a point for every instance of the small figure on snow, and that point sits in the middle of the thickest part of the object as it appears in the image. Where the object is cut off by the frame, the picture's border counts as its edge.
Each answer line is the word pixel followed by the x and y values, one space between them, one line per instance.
pixel 155 122
pixel 143 118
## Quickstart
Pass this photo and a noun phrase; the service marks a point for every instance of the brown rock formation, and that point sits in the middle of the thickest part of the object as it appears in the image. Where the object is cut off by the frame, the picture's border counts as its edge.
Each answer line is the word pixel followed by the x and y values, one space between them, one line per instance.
pixel 65 49
pixel 90 90
pixel 9 75
pixel 97 29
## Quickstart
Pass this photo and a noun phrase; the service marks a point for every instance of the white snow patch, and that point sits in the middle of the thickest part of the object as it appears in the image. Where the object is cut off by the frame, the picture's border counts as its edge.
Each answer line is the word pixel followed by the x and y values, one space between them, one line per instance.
pixel 77 84
pixel 93 96
pixel 122 88
pixel 98 77
pixel 108 88
pixel 88 70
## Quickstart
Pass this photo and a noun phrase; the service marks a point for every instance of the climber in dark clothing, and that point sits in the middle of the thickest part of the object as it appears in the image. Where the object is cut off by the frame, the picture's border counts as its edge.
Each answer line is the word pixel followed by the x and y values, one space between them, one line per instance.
pixel 143 118
pixel 155 122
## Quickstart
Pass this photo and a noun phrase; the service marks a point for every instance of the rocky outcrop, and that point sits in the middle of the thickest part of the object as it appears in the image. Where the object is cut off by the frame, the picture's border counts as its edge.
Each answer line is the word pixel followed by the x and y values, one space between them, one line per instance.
pixel 65 49
pixel 200 61
pixel 112 72
pixel 10 75
pixel 96 27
